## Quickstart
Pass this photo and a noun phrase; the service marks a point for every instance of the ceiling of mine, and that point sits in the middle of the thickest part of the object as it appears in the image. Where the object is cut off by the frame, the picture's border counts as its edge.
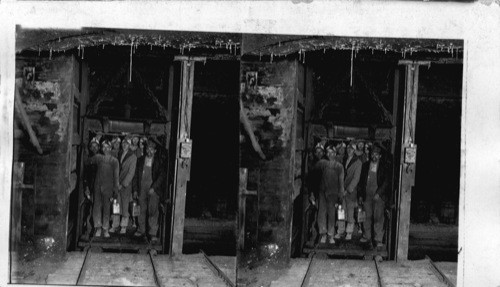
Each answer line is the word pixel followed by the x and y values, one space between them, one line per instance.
pixel 244 44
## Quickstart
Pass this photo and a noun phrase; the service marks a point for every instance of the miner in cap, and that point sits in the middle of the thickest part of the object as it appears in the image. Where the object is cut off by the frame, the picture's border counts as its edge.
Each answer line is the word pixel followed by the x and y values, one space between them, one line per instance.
pixel 312 184
pixel 375 194
pixel 127 160
pixel 352 167
pixel 331 187
pixel 105 187
pixel 149 186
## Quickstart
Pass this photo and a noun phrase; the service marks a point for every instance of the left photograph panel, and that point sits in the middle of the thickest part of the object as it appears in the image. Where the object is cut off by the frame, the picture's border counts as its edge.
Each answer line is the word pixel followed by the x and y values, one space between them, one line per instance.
pixel 126 156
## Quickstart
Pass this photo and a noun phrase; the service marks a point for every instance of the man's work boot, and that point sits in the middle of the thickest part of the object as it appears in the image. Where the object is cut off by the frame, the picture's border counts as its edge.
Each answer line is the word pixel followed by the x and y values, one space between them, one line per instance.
pixel 323 239
pixel 332 240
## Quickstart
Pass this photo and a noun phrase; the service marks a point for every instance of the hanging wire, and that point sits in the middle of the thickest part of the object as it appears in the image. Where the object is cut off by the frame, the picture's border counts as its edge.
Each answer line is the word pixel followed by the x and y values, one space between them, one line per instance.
pixel 352 62
pixel 130 72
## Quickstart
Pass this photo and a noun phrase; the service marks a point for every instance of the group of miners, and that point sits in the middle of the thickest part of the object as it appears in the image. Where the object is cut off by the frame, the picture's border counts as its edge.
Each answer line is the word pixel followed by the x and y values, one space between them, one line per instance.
pixel 121 172
pixel 349 184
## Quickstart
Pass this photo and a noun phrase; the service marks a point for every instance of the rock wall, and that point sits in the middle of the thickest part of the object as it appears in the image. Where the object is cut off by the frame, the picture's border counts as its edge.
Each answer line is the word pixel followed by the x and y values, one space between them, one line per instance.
pixel 47 100
pixel 270 104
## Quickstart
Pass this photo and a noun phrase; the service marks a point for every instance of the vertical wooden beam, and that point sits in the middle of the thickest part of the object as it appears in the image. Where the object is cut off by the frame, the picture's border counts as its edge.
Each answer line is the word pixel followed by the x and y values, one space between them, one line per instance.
pixel 17 205
pixel 293 154
pixel 392 226
pixel 407 170
pixel 395 106
pixel 170 91
pixel 84 137
pixel 182 162
pixel 72 90
pixel 309 105
pixel 242 208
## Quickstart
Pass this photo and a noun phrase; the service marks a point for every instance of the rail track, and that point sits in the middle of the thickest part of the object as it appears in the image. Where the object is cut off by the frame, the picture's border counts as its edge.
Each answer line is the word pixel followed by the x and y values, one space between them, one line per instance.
pixel 306 280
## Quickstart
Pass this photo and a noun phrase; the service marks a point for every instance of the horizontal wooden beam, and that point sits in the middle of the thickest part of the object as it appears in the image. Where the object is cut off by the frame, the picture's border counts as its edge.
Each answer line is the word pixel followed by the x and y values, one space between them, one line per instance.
pixel 414 62
pixel 190 58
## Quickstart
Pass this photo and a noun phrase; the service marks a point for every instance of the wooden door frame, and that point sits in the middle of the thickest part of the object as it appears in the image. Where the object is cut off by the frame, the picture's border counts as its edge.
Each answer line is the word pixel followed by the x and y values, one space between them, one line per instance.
pixel 406 171
pixel 182 166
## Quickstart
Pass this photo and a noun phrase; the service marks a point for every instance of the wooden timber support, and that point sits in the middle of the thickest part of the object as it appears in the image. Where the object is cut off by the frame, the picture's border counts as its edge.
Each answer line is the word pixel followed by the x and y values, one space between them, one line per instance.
pixel 407 162
pixel 387 115
pixel 183 153
pixel 242 206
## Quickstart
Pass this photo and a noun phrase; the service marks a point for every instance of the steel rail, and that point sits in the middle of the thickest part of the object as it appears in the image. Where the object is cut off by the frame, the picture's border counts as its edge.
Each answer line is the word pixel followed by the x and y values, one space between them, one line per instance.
pixel 307 276
pixel 84 267
pixel 157 281
pixel 379 279
pixel 439 273
pixel 216 270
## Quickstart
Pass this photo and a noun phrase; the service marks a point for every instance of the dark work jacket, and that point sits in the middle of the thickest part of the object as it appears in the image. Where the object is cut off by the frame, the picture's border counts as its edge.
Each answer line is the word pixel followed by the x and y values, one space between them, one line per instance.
pixel 313 179
pixel 159 175
pixel 383 181
pixel 89 173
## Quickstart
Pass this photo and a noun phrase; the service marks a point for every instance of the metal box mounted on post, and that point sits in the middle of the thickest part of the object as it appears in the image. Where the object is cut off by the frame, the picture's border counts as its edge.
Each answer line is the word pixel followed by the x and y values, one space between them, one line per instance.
pixel 411 154
pixel 186 148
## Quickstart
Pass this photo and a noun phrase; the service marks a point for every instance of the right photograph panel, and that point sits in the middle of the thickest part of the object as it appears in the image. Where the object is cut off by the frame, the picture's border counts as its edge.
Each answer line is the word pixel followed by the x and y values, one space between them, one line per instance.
pixel 349 161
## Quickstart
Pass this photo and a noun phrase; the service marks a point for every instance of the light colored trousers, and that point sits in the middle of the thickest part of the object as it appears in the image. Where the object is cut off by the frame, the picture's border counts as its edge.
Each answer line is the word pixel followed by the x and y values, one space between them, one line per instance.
pixel 374 214
pixel 124 198
pixel 349 206
pixel 326 213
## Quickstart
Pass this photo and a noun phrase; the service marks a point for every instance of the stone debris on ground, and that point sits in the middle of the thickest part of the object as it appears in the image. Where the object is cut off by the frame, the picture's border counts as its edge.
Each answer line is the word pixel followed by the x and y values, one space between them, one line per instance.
pixel 34 268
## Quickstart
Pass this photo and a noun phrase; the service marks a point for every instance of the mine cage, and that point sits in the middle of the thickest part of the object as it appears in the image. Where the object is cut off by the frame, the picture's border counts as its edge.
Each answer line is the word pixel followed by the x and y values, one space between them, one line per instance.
pixel 108 128
pixel 303 235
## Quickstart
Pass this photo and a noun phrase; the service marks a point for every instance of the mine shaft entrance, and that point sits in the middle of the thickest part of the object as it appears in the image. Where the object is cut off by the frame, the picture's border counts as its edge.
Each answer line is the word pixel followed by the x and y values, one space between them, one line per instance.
pixel 185 104
pixel 367 101
pixel 131 98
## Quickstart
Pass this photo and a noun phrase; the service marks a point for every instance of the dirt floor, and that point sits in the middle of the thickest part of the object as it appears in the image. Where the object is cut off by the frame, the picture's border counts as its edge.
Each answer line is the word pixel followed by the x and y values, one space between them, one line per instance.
pixel 112 269
pixel 333 272
pixel 31 265
pixel 125 269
